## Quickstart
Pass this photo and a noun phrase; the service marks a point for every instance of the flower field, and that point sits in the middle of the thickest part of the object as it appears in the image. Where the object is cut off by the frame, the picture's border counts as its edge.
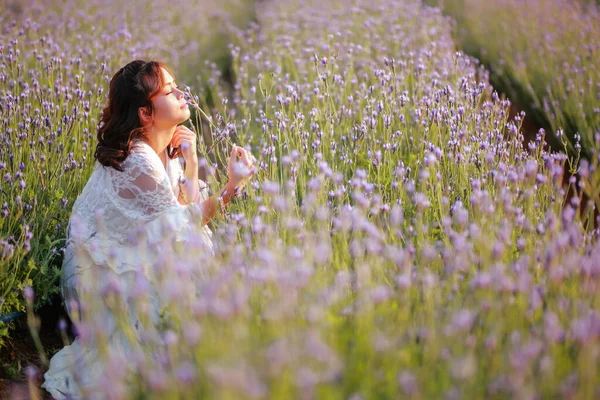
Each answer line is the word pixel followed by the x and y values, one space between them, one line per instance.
pixel 398 240
pixel 54 76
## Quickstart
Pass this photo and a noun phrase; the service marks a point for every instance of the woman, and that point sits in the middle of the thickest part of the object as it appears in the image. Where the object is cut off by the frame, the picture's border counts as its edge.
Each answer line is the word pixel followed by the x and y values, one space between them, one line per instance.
pixel 138 194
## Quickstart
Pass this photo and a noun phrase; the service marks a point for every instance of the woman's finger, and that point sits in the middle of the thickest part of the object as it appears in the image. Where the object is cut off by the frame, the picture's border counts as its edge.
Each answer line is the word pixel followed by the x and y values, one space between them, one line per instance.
pixel 245 159
pixel 185 134
pixel 174 140
pixel 250 156
pixel 183 128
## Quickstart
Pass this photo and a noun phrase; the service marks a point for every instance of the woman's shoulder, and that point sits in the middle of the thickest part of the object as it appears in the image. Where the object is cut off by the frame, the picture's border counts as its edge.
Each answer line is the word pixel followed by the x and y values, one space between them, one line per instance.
pixel 141 148
pixel 142 156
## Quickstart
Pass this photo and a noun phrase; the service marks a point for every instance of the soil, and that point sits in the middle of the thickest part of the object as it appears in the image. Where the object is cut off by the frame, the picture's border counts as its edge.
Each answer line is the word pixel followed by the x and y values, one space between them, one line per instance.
pixel 529 128
pixel 20 352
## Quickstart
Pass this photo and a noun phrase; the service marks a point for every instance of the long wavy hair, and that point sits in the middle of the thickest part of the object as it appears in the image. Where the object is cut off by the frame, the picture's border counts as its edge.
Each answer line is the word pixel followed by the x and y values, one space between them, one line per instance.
pixel 132 87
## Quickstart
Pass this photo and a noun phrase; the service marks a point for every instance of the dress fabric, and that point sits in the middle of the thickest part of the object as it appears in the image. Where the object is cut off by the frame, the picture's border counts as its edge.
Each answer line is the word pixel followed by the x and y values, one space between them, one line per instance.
pixel 115 216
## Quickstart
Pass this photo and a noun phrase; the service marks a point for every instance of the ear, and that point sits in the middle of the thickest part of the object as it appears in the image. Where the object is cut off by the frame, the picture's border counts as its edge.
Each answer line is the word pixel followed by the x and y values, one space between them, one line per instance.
pixel 144 115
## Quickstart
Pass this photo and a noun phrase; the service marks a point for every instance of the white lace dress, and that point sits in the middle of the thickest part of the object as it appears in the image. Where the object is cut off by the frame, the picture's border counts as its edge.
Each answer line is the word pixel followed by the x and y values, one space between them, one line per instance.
pixel 116 215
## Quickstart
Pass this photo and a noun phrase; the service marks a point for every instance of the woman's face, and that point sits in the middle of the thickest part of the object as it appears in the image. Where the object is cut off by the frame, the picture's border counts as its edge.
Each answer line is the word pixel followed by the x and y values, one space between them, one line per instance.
pixel 170 107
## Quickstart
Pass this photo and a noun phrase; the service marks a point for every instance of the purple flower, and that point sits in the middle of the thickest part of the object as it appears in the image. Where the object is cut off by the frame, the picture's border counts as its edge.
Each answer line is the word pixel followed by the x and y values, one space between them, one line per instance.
pixel 192 333
pixel 552 328
pixel 28 293
pixel 462 321
pixel 586 329
pixel 186 372
pixel 31 372
pixel 408 382
pixel 62 324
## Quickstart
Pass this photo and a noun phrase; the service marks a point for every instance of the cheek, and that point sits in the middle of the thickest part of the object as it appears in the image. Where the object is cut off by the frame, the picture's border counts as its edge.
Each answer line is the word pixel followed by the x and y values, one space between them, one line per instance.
pixel 162 109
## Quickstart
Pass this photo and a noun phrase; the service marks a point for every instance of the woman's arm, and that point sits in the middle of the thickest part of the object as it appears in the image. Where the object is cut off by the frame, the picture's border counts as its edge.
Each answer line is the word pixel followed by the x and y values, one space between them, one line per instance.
pixel 191 188
pixel 212 205
pixel 189 191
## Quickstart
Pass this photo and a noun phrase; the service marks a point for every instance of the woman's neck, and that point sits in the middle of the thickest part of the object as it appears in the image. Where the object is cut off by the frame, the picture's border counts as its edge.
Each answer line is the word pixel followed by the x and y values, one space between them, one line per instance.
pixel 159 140
pixel 163 157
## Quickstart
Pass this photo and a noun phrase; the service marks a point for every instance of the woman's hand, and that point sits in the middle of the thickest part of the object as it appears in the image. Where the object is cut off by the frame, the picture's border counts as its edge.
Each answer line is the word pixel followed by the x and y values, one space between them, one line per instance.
pixel 185 140
pixel 240 166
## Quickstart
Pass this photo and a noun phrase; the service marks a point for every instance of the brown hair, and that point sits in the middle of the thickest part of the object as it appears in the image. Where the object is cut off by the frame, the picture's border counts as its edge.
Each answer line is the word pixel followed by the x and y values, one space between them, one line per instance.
pixel 132 87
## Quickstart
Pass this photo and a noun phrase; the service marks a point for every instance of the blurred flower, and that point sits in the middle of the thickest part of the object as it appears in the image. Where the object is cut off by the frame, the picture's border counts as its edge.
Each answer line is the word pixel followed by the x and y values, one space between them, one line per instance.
pixel 408 383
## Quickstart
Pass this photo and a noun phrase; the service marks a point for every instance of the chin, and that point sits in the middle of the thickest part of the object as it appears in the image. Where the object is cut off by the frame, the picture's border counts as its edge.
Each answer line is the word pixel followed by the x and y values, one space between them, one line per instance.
pixel 186 115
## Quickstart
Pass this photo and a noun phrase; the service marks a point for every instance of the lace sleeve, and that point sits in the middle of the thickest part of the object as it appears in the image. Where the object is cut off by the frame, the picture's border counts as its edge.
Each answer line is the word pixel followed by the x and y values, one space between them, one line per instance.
pixel 145 195
pixel 143 188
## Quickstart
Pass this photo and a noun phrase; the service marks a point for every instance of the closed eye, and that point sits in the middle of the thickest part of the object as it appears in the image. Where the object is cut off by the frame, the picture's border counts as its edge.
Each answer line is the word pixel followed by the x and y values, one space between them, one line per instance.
pixel 176 87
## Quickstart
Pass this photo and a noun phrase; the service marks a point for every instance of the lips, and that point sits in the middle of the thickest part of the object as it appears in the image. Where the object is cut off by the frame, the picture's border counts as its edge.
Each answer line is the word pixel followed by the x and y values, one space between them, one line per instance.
pixel 184 105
